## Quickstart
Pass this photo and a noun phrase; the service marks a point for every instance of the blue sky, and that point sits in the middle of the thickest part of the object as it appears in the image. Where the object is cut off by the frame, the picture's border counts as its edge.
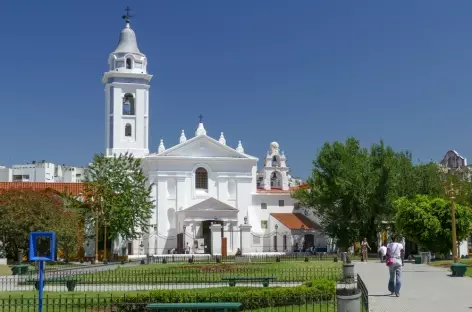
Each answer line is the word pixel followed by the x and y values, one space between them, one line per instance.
pixel 297 72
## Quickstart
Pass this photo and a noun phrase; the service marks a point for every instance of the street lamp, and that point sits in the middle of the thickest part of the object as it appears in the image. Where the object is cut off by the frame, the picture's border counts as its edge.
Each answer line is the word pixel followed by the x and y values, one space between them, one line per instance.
pixel 452 191
pixel 275 241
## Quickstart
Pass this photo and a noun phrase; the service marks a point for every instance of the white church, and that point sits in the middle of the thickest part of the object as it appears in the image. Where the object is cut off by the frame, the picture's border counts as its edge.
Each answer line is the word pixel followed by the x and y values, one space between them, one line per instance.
pixel 210 197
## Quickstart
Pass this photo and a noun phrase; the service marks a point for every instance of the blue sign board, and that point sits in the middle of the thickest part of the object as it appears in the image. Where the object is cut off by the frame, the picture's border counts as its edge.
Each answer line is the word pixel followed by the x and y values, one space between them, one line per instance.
pixel 42 247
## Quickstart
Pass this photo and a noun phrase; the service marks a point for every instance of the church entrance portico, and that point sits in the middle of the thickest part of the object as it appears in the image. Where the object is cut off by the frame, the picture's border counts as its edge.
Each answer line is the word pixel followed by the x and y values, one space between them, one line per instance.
pixel 208 222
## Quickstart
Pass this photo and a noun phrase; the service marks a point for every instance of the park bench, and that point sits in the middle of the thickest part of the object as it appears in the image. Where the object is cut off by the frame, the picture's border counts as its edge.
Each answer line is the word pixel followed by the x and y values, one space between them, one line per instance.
pixel 265 280
pixel 70 282
pixel 216 306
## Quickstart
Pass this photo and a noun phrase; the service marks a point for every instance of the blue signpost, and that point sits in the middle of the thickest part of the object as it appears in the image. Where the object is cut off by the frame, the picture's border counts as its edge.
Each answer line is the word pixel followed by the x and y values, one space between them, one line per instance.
pixel 42 247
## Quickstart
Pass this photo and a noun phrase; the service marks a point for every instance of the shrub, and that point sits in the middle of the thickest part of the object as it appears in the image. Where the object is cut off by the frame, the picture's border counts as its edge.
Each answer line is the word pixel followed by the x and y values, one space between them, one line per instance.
pixel 250 298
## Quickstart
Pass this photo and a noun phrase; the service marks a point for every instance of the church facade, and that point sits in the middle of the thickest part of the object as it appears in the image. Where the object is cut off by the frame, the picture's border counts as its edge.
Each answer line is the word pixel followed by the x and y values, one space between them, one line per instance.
pixel 209 197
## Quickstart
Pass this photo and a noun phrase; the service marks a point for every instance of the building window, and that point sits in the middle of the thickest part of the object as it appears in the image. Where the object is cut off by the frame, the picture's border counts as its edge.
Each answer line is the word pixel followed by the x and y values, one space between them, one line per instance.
pixel 281 203
pixel 20 178
pixel 128 130
pixel 263 224
pixel 263 206
pixel 201 179
pixel 130 248
pixel 129 63
pixel 128 104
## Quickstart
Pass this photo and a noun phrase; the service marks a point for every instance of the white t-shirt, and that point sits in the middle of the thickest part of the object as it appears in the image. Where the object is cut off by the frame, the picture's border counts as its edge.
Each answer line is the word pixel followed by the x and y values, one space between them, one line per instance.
pixel 383 250
pixel 395 251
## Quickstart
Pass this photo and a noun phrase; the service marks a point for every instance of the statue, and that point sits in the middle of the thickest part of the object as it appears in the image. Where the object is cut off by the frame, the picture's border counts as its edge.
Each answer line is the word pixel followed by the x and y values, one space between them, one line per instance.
pixel 274 148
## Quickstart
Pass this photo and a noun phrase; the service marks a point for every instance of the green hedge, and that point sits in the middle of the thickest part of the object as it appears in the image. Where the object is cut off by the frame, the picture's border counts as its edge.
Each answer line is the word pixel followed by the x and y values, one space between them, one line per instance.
pixel 313 292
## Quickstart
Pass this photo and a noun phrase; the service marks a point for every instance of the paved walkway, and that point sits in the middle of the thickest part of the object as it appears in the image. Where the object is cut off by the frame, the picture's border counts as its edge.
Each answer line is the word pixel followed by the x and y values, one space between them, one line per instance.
pixel 424 288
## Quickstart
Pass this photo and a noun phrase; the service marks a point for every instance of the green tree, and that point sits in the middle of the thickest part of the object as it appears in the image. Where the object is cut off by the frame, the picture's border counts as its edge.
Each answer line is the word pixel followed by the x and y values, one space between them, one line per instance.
pixel 339 189
pixel 68 227
pixel 427 222
pixel 117 195
pixel 353 189
pixel 24 211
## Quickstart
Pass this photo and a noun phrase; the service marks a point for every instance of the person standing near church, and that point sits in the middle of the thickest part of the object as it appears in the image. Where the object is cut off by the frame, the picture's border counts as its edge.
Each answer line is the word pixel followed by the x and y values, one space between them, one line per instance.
pixel 364 247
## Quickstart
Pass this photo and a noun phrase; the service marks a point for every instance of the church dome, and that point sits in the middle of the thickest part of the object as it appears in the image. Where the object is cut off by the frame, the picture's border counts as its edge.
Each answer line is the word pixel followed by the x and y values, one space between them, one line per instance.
pixel 126 57
pixel 128 42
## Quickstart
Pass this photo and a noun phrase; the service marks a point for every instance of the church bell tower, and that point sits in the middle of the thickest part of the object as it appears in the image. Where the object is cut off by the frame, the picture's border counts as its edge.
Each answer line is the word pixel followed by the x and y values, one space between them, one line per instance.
pixel 127 97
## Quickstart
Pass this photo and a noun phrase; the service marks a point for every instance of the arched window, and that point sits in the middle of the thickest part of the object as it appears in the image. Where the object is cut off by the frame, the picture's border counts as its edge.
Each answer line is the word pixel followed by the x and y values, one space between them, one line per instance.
pixel 128 104
pixel 129 63
pixel 201 179
pixel 128 131
pixel 276 180
pixel 275 161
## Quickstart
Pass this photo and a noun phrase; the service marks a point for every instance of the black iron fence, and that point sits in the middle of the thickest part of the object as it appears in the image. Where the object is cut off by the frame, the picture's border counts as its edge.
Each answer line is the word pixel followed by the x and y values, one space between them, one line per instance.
pixel 192 276
pixel 364 293
pixel 189 258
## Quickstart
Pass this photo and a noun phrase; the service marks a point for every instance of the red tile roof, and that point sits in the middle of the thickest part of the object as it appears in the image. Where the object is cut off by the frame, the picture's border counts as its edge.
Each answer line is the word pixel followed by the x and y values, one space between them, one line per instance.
pixel 279 190
pixel 68 188
pixel 295 221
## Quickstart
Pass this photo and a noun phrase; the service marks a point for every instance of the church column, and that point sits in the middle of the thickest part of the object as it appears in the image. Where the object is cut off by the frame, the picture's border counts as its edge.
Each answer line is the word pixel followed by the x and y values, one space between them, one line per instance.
pixel 246 241
pixel 180 196
pixel 153 224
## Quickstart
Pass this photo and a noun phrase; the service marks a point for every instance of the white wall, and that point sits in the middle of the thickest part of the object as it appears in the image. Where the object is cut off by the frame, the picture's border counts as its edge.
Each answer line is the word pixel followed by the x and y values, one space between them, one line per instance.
pixel 6 174
pixel 117 142
pixel 272 200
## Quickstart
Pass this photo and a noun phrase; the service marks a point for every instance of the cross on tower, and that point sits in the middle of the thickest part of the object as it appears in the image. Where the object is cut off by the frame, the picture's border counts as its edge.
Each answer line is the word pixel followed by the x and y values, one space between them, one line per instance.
pixel 128 16
pixel 200 118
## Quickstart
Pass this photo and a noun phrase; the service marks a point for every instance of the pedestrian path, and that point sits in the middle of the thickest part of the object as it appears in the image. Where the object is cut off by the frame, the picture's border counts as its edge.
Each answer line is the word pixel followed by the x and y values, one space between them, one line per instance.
pixel 424 288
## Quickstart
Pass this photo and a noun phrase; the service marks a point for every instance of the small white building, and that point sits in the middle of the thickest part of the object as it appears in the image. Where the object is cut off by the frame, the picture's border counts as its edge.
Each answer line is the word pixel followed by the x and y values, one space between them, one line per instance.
pixel 209 196
pixel 42 171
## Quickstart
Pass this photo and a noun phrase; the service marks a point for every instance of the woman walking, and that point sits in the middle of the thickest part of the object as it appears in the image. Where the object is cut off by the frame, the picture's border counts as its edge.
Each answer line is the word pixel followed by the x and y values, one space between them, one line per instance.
pixel 364 247
pixel 394 257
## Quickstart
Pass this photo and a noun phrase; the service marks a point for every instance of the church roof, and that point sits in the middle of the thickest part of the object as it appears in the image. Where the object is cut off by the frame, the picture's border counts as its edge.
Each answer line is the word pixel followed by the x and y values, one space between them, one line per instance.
pixel 128 42
pixel 211 204
pixel 295 221
pixel 209 142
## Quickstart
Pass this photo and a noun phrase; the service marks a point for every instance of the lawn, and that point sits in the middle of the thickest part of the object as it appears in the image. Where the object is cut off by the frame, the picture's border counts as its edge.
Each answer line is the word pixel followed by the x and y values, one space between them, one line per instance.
pixel 5 270
pixel 209 273
pixel 447 265
pixel 286 265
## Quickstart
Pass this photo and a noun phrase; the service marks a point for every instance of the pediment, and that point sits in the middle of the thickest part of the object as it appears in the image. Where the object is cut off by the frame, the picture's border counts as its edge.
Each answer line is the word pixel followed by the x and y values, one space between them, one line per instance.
pixel 211 204
pixel 203 146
